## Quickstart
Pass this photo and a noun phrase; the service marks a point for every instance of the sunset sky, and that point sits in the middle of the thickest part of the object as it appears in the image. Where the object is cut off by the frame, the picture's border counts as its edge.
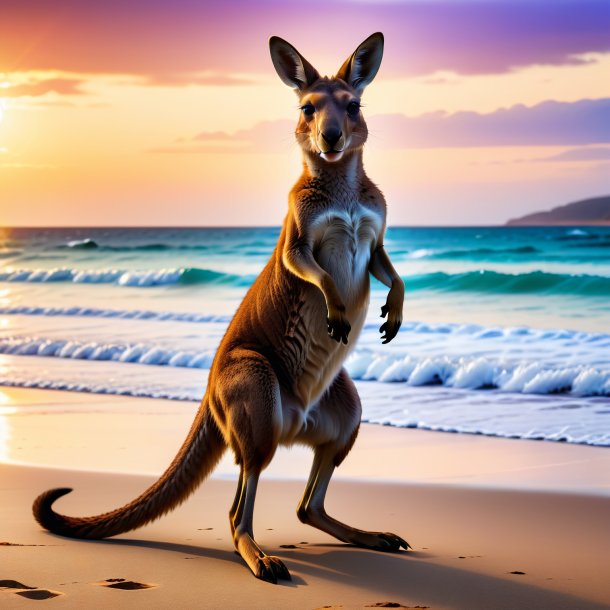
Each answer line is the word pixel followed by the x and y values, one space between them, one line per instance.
pixel 170 113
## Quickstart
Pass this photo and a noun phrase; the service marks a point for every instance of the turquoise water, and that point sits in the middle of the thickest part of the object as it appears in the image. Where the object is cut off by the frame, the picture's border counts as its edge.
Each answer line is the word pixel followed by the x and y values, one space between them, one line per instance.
pixel 506 329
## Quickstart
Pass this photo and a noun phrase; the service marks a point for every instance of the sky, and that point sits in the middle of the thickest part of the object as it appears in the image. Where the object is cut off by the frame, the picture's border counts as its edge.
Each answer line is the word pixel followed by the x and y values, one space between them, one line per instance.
pixel 147 113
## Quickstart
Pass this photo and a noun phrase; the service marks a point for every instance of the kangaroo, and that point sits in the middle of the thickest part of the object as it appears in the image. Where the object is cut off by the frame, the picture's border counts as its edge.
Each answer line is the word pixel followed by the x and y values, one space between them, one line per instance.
pixel 277 377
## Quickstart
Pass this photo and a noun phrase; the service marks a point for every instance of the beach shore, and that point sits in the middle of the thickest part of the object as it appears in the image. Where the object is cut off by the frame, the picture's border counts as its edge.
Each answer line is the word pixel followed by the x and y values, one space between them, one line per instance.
pixel 494 523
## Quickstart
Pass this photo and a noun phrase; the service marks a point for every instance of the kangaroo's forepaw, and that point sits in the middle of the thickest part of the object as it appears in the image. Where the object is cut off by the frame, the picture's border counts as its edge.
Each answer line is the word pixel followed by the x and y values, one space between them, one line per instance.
pixel 389 330
pixel 271 569
pixel 338 328
pixel 382 541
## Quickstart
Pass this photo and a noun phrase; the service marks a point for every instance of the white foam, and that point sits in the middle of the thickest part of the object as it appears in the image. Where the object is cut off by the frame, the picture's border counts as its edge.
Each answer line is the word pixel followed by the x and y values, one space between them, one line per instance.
pixel 120 277
pixel 455 377
pixel 128 314
pixel 119 352
pixel 475 374
pixel 480 374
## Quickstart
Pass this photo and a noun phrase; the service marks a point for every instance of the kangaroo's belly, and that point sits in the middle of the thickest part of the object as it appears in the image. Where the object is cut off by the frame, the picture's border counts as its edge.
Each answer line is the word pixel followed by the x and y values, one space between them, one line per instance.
pixel 320 358
pixel 343 242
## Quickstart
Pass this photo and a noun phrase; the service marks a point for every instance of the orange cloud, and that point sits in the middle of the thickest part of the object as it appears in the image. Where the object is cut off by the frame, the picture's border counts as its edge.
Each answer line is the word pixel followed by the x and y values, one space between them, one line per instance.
pixel 184 80
pixel 62 86
pixel 266 136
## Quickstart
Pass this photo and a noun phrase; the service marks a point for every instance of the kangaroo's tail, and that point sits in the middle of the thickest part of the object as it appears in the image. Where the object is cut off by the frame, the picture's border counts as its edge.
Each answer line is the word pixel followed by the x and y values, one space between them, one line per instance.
pixel 197 457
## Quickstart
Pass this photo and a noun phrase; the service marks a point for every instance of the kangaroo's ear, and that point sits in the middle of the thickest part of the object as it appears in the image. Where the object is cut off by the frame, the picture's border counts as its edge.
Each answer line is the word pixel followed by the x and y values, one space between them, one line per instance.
pixel 361 66
pixel 290 65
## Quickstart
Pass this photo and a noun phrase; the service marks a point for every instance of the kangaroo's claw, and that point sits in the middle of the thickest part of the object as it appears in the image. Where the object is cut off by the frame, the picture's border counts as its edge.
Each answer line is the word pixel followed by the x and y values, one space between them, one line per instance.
pixel 379 541
pixel 338 329
pixel 394 543
pixel 280 568
pixel 271 569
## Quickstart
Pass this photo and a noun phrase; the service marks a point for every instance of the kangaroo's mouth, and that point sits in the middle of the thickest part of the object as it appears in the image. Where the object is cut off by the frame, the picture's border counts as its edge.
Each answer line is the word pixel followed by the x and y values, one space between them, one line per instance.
pixel 332 155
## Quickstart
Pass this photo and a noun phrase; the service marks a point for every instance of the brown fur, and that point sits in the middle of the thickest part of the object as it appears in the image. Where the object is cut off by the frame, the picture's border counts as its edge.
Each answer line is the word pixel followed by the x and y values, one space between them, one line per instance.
pixel 277 376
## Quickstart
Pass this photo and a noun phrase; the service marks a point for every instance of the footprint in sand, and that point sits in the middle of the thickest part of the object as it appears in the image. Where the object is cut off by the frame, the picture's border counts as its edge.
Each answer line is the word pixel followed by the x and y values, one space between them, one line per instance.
pixel 126 585
pixel 13 584
pixel 469 556
pixel 18 588
pixel 38 594
pixel 392 605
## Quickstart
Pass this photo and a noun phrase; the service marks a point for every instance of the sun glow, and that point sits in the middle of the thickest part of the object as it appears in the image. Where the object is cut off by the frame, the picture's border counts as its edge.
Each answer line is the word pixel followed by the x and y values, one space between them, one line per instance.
pixel 4 84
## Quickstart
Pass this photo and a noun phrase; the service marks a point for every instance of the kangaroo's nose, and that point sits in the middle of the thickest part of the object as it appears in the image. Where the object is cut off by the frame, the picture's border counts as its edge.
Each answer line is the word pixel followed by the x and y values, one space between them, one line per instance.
pixel 332 135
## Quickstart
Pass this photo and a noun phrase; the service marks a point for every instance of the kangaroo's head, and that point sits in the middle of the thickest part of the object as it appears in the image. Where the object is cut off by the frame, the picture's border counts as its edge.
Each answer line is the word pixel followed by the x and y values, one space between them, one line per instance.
pixel 330 123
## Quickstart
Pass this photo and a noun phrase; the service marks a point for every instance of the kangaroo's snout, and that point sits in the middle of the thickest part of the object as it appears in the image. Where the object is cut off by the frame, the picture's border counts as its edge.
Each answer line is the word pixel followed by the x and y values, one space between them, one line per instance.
pixel 332 136
pixel 332 143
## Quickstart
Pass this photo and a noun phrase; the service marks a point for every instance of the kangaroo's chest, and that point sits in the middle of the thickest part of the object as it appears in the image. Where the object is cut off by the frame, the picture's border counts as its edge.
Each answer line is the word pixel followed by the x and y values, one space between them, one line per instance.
pixel 344 237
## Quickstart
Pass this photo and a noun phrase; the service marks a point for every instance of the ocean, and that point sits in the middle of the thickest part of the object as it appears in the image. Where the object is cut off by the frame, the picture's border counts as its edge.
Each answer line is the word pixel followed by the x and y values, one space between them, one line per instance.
pixel 506 332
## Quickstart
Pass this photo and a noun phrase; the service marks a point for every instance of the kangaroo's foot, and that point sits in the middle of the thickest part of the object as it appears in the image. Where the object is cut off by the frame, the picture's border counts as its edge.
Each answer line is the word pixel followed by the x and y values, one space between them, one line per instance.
pixel 311 509
pixel 378 541
pixel 263 566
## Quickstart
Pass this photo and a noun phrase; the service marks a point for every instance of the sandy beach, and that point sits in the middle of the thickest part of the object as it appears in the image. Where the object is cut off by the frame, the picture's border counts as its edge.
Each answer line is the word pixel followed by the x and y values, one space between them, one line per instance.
pixel 494 523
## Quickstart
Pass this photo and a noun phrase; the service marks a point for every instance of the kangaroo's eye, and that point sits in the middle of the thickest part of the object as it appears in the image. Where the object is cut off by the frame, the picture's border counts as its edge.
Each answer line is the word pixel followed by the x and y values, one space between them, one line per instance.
pixel 308 109
pixel 353 108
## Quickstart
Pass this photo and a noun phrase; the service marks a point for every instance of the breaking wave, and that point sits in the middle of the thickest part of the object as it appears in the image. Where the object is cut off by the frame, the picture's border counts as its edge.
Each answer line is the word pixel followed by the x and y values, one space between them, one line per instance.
pixel 473 373
pixel 139 353
pixel 533 282
pixel 507 283
pixel 90 244
pixel 122 277
pixel 480 374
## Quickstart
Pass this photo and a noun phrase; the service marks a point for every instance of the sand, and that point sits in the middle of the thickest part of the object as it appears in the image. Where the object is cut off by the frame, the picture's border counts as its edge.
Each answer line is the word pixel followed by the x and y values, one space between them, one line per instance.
pixel 494 523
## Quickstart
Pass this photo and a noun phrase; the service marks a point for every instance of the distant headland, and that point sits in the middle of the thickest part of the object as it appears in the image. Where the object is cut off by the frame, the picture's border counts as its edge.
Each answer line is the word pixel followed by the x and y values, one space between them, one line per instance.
pixel 594 211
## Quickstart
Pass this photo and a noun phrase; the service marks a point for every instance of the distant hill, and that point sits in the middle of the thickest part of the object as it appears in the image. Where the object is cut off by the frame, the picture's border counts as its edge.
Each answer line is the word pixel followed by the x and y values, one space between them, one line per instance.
pixel 595 211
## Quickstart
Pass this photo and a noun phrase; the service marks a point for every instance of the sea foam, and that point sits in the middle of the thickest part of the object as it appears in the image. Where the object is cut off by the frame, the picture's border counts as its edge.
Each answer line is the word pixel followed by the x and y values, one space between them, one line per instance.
pixel 479 373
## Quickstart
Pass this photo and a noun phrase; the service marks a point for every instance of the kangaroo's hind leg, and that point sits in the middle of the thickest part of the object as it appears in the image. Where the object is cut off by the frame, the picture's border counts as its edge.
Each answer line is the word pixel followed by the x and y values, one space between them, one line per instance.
pixel 241 484
pixel 249 394
pixel 338 410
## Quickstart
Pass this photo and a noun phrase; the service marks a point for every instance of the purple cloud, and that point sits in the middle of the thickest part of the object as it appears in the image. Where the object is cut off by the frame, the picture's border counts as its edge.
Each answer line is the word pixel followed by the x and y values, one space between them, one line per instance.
pixel 546 124
pixel 595 153
pixel 161 39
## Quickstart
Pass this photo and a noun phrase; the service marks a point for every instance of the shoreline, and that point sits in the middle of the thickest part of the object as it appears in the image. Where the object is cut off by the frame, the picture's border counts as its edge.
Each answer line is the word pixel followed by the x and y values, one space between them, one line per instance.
pixel 129 435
